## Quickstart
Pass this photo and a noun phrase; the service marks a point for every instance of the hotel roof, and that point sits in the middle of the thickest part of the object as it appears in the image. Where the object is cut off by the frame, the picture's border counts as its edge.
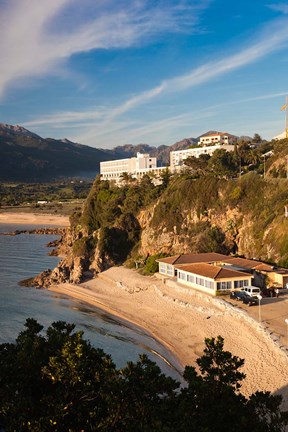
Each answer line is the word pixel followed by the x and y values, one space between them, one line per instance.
pixel 211 271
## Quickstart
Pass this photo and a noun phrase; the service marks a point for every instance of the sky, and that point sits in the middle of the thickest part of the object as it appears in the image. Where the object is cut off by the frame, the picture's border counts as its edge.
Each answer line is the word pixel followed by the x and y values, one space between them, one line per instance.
pixel 112 72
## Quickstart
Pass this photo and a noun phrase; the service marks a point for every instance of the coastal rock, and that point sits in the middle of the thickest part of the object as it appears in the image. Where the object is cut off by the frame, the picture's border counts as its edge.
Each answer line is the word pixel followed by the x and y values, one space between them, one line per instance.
pixel 41 231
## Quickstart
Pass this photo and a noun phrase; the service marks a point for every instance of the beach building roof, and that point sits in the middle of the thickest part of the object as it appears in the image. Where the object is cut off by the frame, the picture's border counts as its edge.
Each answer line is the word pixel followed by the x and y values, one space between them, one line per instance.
pixel 194 258
pixel 211 271
pixel 248 264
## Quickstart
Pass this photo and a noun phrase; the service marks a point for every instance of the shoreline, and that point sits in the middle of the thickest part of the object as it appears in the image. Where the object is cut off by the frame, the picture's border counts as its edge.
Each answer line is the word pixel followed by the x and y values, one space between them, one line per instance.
pixel 22 218
pixel 181 321
pixel 77 292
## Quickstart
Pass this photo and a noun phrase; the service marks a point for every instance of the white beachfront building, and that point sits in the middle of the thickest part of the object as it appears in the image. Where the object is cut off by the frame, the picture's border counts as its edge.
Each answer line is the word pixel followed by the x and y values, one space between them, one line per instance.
pixel 213 272
pixel 208 272
pixel 136 167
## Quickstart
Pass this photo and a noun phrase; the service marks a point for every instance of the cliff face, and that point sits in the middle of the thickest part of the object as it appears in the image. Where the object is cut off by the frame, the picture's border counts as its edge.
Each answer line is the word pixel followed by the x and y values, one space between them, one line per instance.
pixel 245 217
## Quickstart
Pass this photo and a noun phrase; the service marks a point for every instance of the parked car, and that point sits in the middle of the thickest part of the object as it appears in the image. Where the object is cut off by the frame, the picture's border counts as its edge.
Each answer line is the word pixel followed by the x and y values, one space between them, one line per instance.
pixel 252 291
pixel 249 300
pixel 237 295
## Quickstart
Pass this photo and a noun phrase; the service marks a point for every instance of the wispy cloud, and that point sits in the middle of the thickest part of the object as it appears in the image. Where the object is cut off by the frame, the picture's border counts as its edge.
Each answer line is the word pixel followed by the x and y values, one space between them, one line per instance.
pixel 274 37
pixel 36 36
pixel 279 7
pixel 128 131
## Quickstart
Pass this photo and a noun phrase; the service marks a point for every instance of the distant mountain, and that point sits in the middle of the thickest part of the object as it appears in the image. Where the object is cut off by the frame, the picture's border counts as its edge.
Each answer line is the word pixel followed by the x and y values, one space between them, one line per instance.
pixel 26 157
pixel 162 152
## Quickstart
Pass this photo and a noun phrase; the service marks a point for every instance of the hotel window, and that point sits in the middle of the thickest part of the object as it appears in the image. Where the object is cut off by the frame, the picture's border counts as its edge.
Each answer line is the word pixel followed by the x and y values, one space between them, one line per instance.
pixel 223 285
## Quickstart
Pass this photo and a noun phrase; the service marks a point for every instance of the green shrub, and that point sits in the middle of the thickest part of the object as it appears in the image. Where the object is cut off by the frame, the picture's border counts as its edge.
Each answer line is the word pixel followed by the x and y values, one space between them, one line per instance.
pixel 151 265
pixel 80 247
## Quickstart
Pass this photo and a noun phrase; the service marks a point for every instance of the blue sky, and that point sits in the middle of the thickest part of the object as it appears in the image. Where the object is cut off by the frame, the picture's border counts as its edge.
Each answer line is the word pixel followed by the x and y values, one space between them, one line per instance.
pixel 107 72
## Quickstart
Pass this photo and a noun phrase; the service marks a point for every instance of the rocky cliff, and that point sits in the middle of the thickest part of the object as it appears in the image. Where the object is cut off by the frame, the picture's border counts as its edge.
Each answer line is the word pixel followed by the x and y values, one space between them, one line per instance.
pixel 245 217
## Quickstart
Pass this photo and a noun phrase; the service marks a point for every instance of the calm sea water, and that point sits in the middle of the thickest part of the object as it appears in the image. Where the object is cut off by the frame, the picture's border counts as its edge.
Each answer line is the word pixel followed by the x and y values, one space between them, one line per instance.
pixel 26 255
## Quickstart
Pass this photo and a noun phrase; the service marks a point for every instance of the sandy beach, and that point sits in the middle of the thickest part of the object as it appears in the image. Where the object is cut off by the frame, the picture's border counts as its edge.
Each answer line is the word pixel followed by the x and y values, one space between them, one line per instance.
pixel 34 219
pixel 181 319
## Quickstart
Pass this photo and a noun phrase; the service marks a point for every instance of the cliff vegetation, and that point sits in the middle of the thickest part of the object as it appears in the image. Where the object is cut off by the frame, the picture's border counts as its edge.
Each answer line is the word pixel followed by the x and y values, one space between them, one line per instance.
pixel 186 213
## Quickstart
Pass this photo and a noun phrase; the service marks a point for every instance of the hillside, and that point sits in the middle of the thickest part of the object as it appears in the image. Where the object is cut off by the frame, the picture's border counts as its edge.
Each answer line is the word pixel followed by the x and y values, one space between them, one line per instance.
pixel 26 157
pixel 244 216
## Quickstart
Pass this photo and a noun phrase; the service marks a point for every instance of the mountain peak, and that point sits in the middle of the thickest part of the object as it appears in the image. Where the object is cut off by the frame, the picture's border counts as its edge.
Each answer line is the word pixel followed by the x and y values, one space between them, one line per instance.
pixel 16 130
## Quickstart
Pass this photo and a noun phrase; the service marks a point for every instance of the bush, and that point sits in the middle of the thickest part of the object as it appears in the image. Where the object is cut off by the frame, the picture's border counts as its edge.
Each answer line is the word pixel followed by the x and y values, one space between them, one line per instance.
pixel 151 265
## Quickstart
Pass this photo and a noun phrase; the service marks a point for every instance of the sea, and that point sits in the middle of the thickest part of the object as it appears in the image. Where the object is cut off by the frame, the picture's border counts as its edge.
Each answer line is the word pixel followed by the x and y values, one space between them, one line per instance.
pixel 25 255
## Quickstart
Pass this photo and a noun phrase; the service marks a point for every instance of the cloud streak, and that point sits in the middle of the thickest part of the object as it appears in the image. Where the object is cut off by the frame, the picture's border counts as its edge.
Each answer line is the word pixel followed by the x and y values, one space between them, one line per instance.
pixel 273 38
pixel 35 37
pixel 279 7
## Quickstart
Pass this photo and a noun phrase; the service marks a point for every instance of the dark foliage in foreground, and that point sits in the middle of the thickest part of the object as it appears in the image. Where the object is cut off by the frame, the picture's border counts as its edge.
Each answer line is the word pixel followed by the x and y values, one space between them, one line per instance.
pixel 59 382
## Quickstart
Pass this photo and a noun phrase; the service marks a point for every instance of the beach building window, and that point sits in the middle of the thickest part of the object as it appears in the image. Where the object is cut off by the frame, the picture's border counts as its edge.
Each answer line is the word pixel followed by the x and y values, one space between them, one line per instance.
pixel 224 285
pixel 200 281
pixel 241 283
pixel 209 284
pixel 162 268
pixel 191 278
pixel 170 270
pixel 181 275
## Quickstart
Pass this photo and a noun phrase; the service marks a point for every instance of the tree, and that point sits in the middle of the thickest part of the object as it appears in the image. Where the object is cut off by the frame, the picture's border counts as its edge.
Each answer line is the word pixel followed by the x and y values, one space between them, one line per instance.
pixel 58 382
pixel 213 402
pixel 127 178
pixel 165 178
pixel 222 163
pixel 256 139
pixel 199 165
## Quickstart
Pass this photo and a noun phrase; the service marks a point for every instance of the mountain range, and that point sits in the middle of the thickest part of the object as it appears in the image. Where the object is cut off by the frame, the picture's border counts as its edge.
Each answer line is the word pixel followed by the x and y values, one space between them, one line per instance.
pixel 27 157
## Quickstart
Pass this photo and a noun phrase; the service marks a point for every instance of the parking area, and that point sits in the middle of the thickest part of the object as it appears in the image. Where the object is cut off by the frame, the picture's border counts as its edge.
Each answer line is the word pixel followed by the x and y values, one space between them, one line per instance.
pixel 272 311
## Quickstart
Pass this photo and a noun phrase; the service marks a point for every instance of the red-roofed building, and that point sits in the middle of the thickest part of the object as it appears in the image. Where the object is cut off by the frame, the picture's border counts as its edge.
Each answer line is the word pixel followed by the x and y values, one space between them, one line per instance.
pixel 217 138
pixel 211 278
pixel 212 272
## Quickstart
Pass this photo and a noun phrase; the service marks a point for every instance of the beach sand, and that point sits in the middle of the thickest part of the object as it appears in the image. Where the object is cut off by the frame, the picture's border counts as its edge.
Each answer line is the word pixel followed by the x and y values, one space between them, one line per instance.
pixel 181 319
pixel 34 219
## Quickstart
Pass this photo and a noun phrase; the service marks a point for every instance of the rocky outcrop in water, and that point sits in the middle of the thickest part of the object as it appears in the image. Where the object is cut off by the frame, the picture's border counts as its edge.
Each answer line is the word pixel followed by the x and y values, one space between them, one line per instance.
pixel 41 231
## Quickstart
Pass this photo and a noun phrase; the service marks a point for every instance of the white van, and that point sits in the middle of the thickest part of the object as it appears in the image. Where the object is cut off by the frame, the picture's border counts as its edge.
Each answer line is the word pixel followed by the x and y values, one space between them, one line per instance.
pixel 252 291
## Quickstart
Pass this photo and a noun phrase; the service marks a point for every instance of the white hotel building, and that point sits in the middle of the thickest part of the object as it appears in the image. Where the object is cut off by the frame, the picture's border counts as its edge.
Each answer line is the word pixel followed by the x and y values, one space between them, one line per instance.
pixel 206 145
pixel 177 157
pixel 137 167
pixel 143 164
